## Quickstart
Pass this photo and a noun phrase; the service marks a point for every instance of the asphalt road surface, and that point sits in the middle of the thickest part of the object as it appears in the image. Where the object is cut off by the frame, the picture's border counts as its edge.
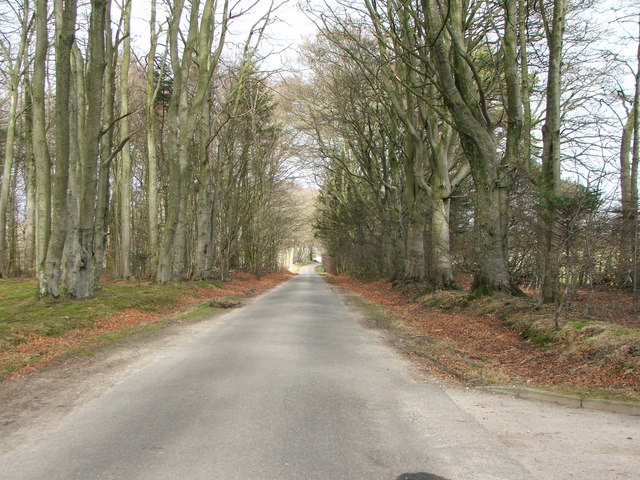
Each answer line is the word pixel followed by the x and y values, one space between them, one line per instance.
pixel 289 387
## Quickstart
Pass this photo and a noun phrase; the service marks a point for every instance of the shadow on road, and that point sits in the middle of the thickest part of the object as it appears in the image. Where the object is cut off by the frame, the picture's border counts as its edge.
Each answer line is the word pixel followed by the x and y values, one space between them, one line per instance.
pixel 420 476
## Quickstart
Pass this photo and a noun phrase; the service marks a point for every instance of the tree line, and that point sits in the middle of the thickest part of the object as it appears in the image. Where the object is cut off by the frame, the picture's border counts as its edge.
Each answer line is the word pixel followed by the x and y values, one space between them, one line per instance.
pixel 498 138
pixel 169 164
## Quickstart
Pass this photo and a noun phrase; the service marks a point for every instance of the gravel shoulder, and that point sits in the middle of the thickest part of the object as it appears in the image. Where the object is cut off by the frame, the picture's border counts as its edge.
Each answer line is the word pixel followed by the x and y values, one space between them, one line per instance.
pixel 557 442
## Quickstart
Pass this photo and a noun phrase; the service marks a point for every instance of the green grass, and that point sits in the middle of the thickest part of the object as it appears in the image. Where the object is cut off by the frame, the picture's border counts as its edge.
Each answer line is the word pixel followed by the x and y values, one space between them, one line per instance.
pixel 22 314
pixel 377 315
pixel 615 394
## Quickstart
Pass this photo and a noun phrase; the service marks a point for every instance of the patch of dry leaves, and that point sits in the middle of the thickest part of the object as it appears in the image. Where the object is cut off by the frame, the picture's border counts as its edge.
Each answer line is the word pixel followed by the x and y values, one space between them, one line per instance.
pixel 484 341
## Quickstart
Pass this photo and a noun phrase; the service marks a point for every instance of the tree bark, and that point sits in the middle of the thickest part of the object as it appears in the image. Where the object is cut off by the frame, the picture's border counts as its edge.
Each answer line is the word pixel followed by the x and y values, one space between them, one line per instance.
pixel 152 156
pixel 40 148
pixel 125 157
pixel 101 231
pixel 550 185
pixel 628 204
pixel 8 166
pixel 30 183
pixel 80 276
pixel 65 12
pixel 14 75
pixel 205 247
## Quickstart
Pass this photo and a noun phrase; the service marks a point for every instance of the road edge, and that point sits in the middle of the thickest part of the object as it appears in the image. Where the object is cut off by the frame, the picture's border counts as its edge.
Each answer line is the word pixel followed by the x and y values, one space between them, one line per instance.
pixel 526 393
pixel 572 401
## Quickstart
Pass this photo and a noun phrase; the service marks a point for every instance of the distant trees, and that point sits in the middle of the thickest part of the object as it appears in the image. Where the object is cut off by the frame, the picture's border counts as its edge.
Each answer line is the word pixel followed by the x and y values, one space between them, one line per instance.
pixel 169 168
pixel 445 89
pixel 477 137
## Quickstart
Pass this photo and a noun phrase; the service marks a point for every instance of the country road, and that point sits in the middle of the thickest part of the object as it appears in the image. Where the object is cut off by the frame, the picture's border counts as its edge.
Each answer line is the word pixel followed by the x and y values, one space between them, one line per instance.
pixel 289 387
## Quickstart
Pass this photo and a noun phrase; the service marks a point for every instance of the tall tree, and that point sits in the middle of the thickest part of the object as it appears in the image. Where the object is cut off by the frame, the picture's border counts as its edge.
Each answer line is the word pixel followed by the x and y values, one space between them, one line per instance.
pixel 550 185
pixel 40 148
pixel 465 95
pixel 107 150
pixel 65 14
pixel 629 162
pixel 13 75
pixel 125 156
pixel 80 280
pixel 184 115
pixel 152 88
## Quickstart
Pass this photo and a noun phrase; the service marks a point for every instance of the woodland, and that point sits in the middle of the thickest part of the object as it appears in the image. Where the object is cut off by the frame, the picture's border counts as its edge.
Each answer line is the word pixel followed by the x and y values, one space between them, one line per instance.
pixel 498 139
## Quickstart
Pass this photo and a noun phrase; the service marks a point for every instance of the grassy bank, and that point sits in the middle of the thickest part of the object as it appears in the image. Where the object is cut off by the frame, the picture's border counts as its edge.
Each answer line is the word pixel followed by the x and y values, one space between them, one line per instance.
pixel 33 331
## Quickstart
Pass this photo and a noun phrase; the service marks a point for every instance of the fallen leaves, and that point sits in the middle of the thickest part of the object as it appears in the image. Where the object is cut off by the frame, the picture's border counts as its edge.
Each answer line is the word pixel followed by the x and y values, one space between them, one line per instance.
pixel 478 346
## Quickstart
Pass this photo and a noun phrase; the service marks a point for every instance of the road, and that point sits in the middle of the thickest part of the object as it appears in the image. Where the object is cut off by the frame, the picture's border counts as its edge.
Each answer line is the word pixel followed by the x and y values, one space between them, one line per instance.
pixel 289 387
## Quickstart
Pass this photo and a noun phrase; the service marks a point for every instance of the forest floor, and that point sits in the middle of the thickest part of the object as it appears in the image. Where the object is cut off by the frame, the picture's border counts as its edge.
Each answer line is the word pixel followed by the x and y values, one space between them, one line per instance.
pixel 502 340
pixel 37 333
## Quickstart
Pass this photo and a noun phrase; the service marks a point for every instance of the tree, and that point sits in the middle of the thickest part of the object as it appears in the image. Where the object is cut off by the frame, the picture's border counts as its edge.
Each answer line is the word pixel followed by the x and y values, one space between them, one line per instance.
pixel 80 281
pixel 550 186
pixel 125 157
pixel 40 148
pixel 184 115
pixel 13 75
pixel 65 14
pixel 629 162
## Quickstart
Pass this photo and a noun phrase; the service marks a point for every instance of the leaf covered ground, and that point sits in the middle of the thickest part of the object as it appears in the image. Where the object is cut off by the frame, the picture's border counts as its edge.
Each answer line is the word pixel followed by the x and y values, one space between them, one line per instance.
pixel 34 332
pixel 504 340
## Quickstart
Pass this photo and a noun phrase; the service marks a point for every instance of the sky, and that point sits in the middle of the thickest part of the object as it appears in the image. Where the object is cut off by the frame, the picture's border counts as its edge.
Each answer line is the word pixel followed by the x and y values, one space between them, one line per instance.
pixel 288 30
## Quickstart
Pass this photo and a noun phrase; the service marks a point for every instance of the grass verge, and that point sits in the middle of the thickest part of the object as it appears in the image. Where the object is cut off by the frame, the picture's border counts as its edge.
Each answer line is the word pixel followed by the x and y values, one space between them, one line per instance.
pixel 33 332
pixel 501 340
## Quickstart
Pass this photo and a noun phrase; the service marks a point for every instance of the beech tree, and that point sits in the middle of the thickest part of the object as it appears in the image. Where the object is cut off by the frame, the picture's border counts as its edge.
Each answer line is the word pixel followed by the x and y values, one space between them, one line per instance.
pixel 14 72
pixel 629 158
pixel 184 113
pixel 554 21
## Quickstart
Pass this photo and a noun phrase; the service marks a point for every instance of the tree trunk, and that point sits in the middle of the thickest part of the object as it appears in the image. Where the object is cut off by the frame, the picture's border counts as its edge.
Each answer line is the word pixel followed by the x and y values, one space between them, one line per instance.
pixel 65 31
pixel 550 187
pixel 513 150
pixel 15 73
pixel 415 261
pixel 203 264
pixel 525 97
pixel 101 232
pixel 152 157
pixel 40 149
pixel 30 183
pixel 125 157
pixel 80 277
pixel 629 158
pixel 6 171
pixel 628 204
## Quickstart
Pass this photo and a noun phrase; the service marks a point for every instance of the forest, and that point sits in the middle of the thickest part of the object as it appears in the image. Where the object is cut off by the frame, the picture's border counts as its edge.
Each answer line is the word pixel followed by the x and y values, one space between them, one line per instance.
pixel 497 139
pixel 169 164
